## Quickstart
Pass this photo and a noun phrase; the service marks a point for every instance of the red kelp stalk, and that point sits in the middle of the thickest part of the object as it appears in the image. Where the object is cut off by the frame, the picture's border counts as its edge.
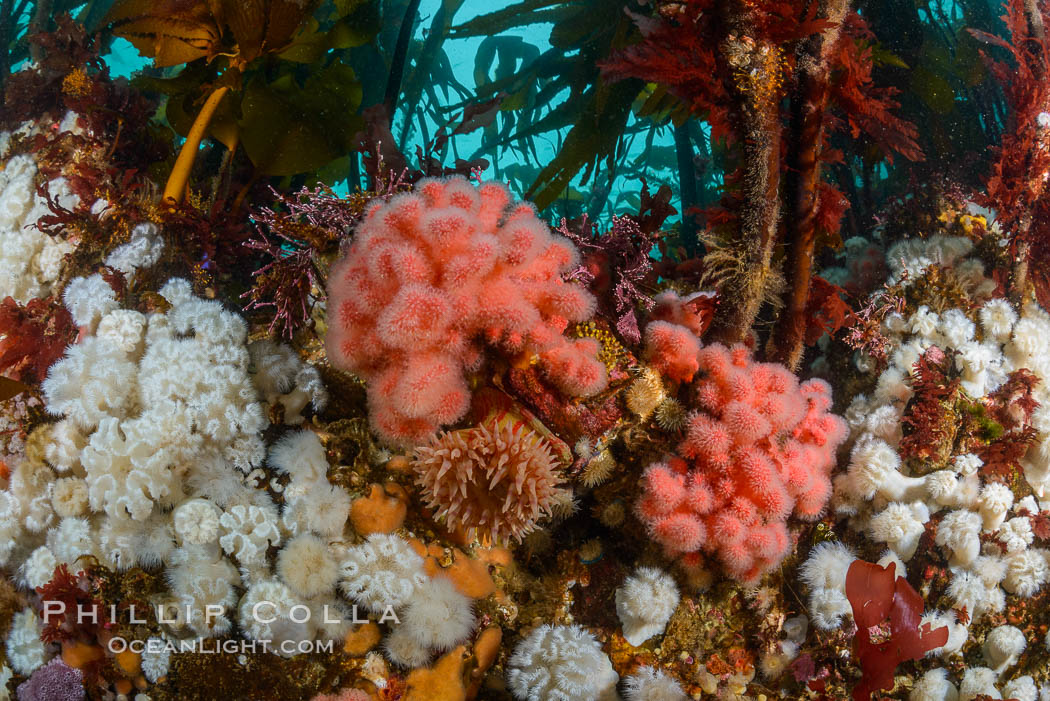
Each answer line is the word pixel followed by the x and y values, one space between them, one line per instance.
pixel 808 117
pixel 731 64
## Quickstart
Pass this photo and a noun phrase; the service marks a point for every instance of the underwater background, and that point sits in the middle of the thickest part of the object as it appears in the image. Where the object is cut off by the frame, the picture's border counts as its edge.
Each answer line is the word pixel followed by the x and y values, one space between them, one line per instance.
pixel 525 350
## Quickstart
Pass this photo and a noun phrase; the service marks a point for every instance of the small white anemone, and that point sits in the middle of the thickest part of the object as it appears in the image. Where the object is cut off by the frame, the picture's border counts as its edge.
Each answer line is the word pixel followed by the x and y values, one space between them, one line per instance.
pixel 645 602
pixel 960 533
pixel 1002 647
pixel 934 686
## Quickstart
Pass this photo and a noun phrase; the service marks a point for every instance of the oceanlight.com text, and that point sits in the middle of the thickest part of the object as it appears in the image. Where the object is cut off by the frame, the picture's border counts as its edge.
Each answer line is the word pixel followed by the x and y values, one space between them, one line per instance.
pixel 211 646
pixel 261 612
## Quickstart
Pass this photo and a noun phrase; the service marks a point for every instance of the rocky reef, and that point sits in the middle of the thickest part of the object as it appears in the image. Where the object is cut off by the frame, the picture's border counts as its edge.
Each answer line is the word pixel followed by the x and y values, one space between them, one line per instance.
pixel 436 437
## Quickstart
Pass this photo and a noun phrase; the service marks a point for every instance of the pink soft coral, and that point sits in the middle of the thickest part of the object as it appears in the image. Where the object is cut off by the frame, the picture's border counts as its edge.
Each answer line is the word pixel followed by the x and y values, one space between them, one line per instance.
pixel 760 447
pixel 435 275
pixel 344 695
pixel 672 350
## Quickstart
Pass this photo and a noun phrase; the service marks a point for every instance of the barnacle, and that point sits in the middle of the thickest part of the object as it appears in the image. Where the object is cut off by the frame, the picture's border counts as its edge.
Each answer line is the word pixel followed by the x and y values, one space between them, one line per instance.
pixel 645 394
pixel 598 469
pixel 670 415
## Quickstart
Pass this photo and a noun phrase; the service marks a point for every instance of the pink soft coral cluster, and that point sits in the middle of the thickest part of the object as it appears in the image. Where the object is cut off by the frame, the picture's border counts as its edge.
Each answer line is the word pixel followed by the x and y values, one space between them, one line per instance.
pixel 672 337
pixel 672 350
pixel 344 695
pixel 759 447
pixel 435 275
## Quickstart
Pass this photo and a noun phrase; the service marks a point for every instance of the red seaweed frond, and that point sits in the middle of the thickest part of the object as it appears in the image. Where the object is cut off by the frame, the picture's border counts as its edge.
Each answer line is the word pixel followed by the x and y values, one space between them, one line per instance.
pixel 787 20
pixel 1040 524
pixel 927 418
pixel 617 267
pixel 868 109
pixel 653 210
pixel 865 326
pixel 1012 404
pixel 686 49
pixel 831 206
pixel 30 93
pixel 32 337
pixel 70 75
pixel 1023 82
pixel 208 238
pixel 300 227
pixel 886 605
pixel 826 311
pixel 1016 188
pixel 1002 457
pixel 82 615
pixel 288 283
pixel 680 50
pixel 1038 239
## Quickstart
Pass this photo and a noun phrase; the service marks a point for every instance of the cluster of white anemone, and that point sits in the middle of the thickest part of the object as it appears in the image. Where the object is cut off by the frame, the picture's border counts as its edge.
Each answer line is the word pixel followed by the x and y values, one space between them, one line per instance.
pixel 1002 648
pixel 564 662
pixel 891 506
pixel 907 260
pixel 158 460
pixel 159 435
pixel 30 260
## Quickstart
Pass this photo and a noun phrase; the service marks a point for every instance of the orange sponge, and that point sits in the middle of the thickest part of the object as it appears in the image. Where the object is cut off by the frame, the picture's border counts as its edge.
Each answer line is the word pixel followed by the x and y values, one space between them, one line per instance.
pixel 382 511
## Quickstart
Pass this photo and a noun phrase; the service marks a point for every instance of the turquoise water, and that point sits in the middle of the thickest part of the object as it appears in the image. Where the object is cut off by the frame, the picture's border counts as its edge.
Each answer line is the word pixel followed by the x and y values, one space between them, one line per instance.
pixel 648 154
